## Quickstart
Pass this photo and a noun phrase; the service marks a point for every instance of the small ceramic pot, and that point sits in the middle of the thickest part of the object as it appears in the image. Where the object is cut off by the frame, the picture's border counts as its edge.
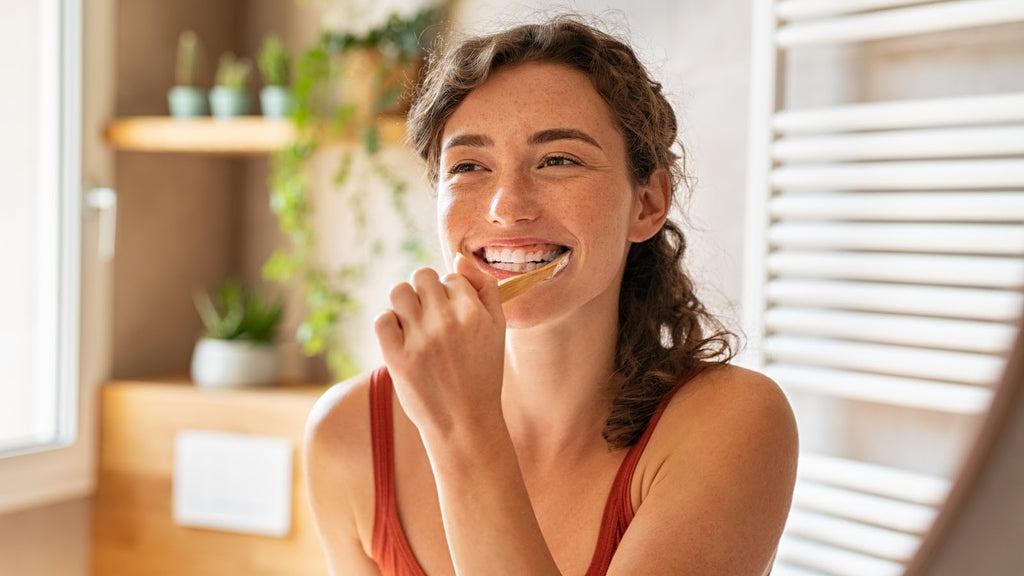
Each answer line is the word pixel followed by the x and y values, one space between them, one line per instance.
pixel 186 102
pixel 233 363
pixel 228 102
pixel 276 101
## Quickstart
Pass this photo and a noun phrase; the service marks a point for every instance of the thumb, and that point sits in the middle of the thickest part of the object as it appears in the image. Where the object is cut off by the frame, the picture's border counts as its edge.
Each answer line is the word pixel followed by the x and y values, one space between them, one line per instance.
pixel 486 286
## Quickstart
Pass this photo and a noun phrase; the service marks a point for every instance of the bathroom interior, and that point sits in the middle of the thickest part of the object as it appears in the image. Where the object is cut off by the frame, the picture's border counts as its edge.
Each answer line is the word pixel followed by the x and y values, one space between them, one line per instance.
pixel 856 213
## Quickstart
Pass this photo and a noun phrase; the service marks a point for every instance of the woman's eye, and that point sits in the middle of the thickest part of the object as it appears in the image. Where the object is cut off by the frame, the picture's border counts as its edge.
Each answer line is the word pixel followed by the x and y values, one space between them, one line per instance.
pixel 558 161
pixel 463 167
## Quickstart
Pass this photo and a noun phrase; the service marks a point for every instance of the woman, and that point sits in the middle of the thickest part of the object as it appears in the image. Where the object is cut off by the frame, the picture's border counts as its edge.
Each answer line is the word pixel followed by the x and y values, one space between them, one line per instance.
pixel 589 426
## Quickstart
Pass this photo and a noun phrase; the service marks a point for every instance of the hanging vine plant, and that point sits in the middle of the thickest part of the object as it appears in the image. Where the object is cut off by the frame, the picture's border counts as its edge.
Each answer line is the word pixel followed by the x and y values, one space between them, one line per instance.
pixel 385 60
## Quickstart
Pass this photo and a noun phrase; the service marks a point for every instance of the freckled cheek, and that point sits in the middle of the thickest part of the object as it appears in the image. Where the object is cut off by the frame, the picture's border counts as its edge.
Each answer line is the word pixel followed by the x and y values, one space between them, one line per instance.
pixel 454 219
pixel 607 224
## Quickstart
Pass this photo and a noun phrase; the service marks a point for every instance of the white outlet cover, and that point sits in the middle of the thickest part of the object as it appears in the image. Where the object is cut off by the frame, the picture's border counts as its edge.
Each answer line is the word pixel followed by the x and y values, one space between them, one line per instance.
pixel 233 482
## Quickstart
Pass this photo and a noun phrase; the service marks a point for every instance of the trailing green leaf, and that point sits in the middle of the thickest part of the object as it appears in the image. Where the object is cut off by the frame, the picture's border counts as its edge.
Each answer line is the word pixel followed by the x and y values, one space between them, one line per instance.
pixel 317 113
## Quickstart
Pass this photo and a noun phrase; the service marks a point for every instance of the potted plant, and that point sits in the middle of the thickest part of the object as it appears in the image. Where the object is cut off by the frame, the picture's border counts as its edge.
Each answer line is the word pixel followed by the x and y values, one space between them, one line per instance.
pixel 229 96
pixel 185 99
pixel 237 348
pixel 275 96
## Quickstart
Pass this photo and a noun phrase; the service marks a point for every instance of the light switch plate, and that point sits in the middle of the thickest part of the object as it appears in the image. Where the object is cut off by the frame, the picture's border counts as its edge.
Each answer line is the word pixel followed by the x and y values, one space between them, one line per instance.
pixel 234 482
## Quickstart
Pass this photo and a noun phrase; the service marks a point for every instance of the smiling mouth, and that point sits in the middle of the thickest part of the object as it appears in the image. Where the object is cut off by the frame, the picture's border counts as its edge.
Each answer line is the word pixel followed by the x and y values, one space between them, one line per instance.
pixel 519 260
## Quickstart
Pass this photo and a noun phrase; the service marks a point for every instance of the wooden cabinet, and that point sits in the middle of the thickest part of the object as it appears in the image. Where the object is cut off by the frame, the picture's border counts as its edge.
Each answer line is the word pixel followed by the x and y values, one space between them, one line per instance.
pixel 133 529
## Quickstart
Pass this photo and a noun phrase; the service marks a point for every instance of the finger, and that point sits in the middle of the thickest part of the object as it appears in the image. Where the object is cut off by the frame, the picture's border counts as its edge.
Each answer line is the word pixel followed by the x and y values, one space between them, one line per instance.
pixel 405 304
pixel 390 337
pixel 459 288
pixel 428 286
pixel 486 286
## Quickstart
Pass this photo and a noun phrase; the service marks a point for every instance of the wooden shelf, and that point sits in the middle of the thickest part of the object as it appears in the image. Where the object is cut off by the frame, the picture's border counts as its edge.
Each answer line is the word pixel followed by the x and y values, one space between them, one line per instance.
pixel 246 135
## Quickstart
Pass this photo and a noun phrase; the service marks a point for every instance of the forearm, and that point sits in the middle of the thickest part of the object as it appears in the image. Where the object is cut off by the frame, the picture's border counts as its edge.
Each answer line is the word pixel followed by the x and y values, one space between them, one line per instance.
pixel 488 518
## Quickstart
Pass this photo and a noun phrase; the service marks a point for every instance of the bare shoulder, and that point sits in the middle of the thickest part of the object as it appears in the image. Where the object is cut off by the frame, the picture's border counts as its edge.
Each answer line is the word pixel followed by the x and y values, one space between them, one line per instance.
pixel 733 398
pixel 717 474
pixel 726 419
pixel 341 416
pixel 338 458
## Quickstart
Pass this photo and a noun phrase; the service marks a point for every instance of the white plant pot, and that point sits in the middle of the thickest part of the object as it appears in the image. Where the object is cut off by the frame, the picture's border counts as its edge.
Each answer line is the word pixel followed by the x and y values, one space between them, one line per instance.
pixel 233 364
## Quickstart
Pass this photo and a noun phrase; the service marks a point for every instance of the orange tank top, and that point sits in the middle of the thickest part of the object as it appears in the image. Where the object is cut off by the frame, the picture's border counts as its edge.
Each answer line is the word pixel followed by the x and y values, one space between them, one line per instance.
pixel 390 548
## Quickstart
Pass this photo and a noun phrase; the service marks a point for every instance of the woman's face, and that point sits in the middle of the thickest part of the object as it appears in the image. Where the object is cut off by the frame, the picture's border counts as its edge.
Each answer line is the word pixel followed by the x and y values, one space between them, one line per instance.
pixel 533 164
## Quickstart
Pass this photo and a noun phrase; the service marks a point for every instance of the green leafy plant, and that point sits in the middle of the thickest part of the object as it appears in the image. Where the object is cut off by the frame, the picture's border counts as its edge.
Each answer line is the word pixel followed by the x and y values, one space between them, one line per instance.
pixel 186 64
pixel 233 72
pixel 273 62
pixel 320 114
pixel 239 313
pixel 400 36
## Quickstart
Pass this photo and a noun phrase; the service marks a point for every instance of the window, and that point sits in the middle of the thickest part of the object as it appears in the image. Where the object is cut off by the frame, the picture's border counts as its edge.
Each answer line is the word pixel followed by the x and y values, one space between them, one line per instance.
pixel 40 228
pixel 887 181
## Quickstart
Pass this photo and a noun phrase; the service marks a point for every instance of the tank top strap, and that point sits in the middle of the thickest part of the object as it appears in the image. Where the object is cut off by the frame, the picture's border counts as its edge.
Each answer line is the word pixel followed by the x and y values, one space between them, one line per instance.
pixel 382 435
pixel 618 511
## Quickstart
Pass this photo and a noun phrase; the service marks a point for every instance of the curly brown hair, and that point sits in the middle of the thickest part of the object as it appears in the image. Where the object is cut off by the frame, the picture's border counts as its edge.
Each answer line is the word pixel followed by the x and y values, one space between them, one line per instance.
pixel 665 331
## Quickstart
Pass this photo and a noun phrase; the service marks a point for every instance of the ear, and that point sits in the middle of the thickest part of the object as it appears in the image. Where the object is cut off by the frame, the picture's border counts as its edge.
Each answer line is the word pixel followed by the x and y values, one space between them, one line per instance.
pixel 652 205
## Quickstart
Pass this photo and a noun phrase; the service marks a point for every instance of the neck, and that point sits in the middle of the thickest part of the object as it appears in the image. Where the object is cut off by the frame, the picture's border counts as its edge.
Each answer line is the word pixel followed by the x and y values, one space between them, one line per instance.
pixel 558 378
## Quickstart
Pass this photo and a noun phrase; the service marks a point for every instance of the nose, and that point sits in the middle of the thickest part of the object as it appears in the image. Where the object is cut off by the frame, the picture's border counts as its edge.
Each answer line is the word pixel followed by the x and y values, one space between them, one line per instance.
pixel 513 201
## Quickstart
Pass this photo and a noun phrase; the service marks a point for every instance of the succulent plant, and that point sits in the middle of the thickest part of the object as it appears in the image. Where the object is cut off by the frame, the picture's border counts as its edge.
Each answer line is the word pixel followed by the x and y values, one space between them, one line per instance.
pixel 233 72
pixel 273 62
pixel 239 313
pixel 186 66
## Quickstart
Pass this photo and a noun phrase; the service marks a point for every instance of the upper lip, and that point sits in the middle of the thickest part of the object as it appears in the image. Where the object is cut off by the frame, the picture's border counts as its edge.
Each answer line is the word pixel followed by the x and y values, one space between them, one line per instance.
pixel 518 243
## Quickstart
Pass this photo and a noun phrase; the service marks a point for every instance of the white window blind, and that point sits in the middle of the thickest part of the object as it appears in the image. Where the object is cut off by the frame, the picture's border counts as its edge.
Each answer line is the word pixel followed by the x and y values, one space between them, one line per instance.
pixel 885 260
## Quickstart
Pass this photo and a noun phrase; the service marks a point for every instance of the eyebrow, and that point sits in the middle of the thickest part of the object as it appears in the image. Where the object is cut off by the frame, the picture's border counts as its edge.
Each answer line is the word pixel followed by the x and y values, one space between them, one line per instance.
pixel 554 134
pixel 474 140
pixel 542 137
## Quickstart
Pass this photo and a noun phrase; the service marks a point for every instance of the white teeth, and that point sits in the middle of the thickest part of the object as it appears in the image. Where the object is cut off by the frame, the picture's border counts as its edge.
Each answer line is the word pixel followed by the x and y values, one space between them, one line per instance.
pixel 517 267
pixel 518 260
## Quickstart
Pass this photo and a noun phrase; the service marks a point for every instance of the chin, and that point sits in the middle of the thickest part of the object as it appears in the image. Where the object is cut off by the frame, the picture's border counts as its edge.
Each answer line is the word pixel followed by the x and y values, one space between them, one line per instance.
pixel 525 312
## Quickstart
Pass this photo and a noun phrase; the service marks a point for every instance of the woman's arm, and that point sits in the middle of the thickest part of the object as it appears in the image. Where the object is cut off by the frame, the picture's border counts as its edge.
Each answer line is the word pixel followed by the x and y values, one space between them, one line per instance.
pixel 338 455
pixel 443 343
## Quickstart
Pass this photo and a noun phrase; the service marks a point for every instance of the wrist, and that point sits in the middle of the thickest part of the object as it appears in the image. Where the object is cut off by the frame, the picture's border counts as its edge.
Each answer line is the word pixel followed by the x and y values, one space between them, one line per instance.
pixel 467 444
